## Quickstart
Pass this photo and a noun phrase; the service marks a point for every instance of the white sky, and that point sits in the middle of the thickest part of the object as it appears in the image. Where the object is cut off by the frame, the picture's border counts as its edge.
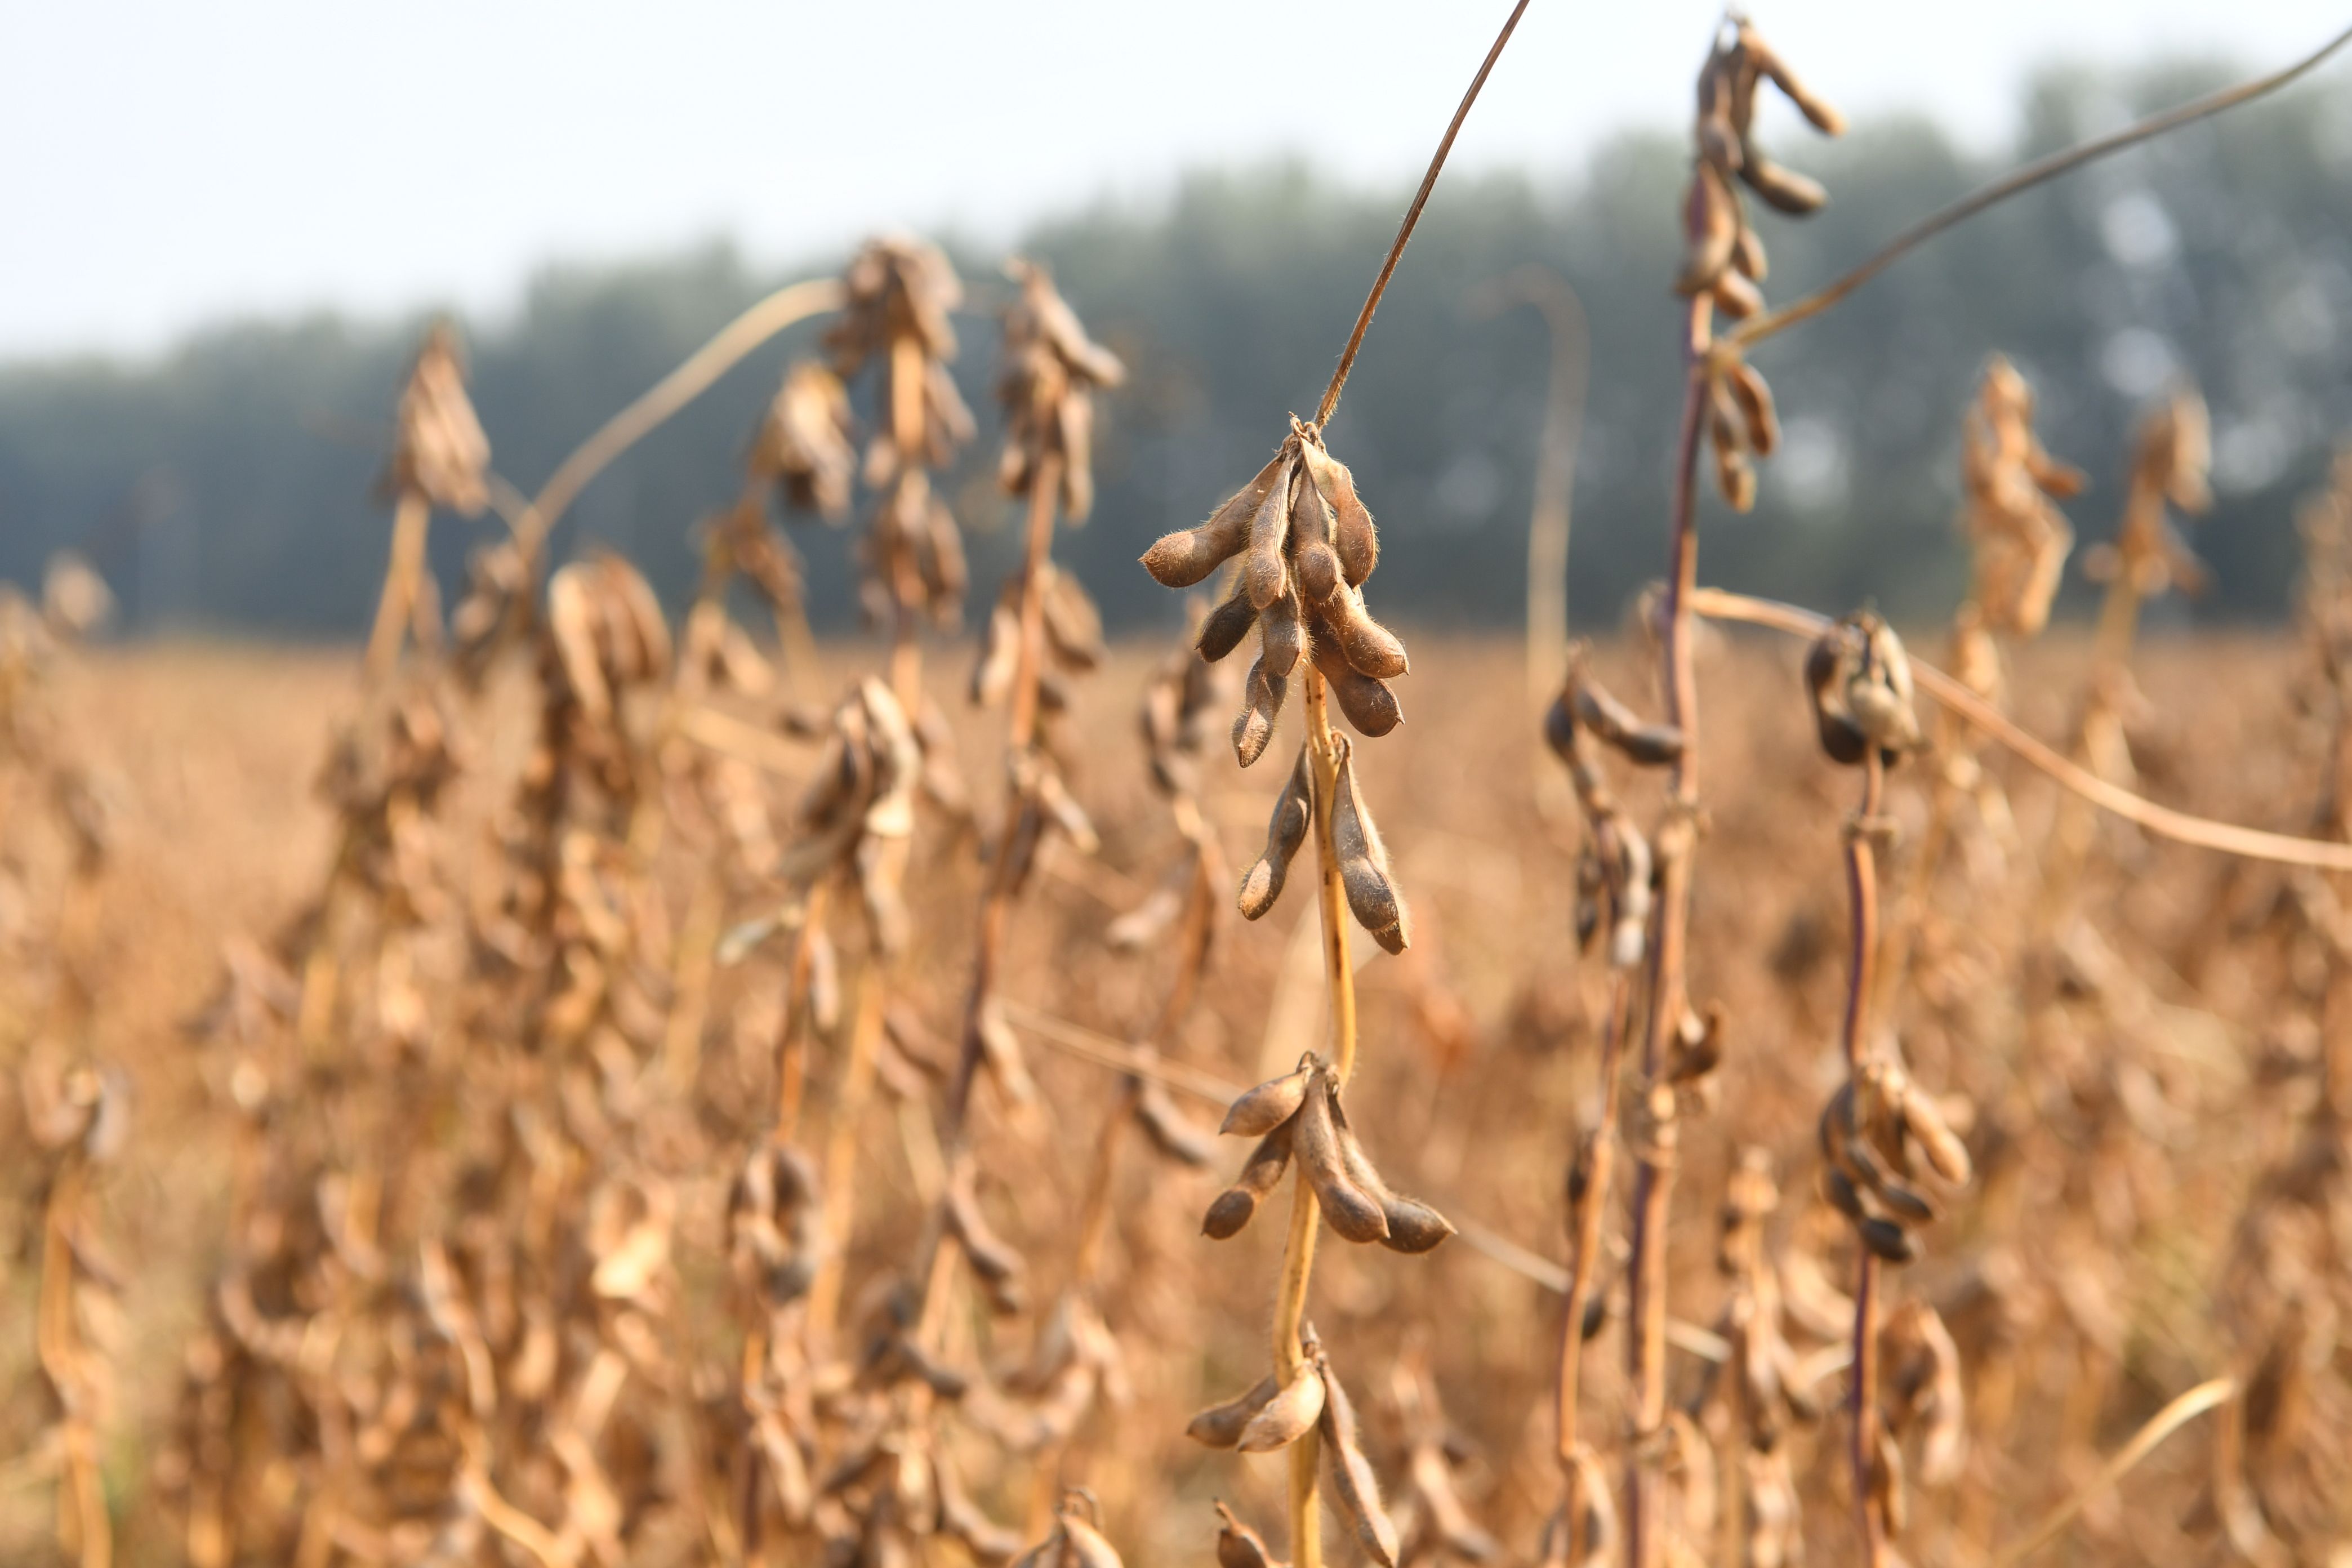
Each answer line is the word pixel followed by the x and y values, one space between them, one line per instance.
pixel 165 164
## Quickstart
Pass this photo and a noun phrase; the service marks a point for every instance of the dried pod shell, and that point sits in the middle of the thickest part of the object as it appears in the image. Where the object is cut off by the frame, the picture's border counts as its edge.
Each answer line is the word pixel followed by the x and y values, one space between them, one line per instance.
pixel 1000 656
pixel 1888 1240
pixel 1754 400
pixel 1354 1213
pixel 1262 700
pixel 1711 228
pixel 1352 1480
pixel 996 1264
pixel 1180 560
pixel 1365 700
pixel 1221 1425
pixel 1281 635
pixel 1352 532
pixel 1087 1548
pixel 1793 193
pixel 1650 745
pixel 1318 563
pixel 1373 897
pixel 1286 1417
pixel 1412 1226
pixel 1233 1208
pixel 1924 1121
pixel 1367 645
pixel 1286 833
pixel 1172 1132
pixel 1266 570
pixel 1227 625
pixel 1239 1546
pixel 1270 1104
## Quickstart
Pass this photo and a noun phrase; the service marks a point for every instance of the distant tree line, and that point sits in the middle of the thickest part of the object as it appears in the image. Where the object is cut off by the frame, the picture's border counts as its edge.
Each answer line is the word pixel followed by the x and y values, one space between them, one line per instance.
pixel 228 485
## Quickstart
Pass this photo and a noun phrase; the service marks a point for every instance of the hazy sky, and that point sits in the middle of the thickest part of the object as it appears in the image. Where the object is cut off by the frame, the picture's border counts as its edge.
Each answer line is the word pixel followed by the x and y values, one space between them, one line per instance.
pixel 165 164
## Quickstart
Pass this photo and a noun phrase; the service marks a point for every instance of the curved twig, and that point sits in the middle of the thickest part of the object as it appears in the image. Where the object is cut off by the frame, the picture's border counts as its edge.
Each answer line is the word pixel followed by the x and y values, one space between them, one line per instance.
pixel 2162 1425
pixel 794 302
pixel 2252 843
pixel 1757 328
pixel 1412 217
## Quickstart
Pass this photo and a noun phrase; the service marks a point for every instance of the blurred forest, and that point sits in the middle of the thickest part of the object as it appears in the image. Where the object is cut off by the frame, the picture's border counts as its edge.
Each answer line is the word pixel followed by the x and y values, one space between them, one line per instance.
pixel 227 486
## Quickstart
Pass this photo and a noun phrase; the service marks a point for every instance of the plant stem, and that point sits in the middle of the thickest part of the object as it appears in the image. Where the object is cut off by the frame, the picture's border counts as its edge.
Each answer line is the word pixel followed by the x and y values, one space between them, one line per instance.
pixel 1298 1254
pixel 1667 983
pixel 1588 1223
pixel 1757 328
pixel 1862 893
pixel 397 607
pixel 2250 843
pixel 1323 410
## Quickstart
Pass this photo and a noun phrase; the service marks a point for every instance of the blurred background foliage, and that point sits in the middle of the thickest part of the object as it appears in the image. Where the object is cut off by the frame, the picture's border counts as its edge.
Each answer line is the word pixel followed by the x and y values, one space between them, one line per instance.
pixel 227 486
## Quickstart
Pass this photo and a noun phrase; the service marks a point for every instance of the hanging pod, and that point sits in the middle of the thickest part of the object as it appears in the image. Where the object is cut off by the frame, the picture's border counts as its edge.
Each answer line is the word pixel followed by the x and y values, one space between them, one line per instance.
pixel 1354 1213
pixel 1352 1480
pixel 1285 834
pixel 1364 871
pixel 1238 1204
pixel 1181 559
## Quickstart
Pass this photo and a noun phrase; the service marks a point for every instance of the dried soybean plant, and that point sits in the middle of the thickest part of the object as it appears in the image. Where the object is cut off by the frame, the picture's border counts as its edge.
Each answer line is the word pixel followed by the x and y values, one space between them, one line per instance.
pixel 331 1048
pixel 2280 1480
pixel 1613 906
pixel 897 296
pixel 440 457
pixel 1726 399
pixel 2017 542
pixel 71 1110
pixel 1044 628
pixel 1307 544
pixel 1882 1133
pixel 1184 700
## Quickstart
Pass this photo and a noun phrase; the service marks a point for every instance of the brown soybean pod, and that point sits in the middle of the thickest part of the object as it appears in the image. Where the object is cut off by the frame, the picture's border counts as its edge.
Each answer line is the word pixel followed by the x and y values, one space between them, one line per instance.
pixel 1238 1204
pixel 1353 534
pixel 1220 1425
pixel 1185 557
pixel 1353 1212
pixel 1285 834
pixel 1352 1479
pixel 1261 1109
pixel 1265 571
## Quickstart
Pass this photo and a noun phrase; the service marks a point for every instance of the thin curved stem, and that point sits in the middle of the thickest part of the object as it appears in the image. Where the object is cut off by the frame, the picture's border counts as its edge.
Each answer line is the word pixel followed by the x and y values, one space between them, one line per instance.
pixel 1412 215
pixel 793 303
pixel 2251 843
pixel 1667 985
pixel 1757 328
pixel 2162 1425
pixel 1862 893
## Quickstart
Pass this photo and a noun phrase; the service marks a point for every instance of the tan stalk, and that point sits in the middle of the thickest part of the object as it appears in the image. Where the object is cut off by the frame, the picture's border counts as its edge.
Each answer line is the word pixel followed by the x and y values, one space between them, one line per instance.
pixel 1666 985
pixel 1862 895
pixel 402 584
pixel 1583 1278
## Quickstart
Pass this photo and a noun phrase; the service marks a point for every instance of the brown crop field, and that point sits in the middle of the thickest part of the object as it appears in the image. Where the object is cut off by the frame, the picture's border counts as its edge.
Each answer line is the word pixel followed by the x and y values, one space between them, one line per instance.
pixel 584 1082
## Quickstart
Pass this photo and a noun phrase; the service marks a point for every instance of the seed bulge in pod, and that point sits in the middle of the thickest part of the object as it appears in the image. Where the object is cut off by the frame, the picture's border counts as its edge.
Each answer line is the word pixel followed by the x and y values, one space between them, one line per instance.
pixel 1221 1425
pixel 1412 1226
pixel 1227 625
pixel 1181 559
pixel 1261 1109
pixel 1261 704
pixel 1352 532
pixel 1286 833
pixel 1353 1212
pixel 1266 570
pixel 1289 1415
pixel 1233 1208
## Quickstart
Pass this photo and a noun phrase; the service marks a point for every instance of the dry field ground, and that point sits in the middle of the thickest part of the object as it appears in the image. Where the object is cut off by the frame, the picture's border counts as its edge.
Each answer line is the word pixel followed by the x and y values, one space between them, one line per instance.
pixel 2127 1089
